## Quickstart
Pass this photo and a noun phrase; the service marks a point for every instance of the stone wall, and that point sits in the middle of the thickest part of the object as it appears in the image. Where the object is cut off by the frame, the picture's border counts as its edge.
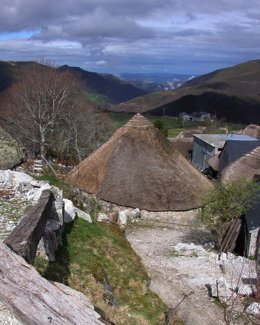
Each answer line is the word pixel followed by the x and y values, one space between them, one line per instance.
pixel 19 197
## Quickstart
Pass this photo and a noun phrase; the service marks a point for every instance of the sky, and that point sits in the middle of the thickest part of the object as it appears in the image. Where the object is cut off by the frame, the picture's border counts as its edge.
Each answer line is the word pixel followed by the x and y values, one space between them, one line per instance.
pixel 144 36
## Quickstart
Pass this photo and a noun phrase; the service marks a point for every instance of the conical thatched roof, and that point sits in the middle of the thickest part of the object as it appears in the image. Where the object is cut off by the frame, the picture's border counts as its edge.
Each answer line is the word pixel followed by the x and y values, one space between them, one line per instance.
pixel 252 130
pixel 247 167
pixel 138 167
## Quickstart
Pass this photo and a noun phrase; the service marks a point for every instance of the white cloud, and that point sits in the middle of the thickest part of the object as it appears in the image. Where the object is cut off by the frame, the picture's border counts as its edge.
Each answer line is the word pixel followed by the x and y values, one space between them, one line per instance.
pixel 101 62
pixel 158 34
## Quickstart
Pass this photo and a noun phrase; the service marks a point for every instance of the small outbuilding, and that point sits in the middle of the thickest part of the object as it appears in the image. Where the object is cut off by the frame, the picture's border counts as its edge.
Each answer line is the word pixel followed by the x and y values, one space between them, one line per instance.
pixel 234 150
pixel 209 145
pixel 247 167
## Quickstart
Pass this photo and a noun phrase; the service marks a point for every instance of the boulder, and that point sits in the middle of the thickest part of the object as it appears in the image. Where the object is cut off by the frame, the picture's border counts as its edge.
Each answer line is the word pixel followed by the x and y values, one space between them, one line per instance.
pixel 24 188
pixel 6 177
pixel 83 215
pixel 19 177
pixel 35 193
pixel 51 236
pixel 254 309
pixel 122 218
pixel 35 300
pixel 102 217
pixel 69 211
pixel 134 214
pixel 11 152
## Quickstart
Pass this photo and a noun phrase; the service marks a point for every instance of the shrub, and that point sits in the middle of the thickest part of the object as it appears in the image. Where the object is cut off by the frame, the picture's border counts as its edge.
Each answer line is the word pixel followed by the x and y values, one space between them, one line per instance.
pixel 227 202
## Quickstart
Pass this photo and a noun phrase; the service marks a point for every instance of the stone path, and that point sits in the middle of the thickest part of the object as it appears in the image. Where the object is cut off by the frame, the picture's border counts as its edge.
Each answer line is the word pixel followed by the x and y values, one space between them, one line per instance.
pixel 171 247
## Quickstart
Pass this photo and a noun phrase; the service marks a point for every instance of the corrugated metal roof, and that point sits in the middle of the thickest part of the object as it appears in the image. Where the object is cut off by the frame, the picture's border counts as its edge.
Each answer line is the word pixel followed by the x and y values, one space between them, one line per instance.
pixel 218 140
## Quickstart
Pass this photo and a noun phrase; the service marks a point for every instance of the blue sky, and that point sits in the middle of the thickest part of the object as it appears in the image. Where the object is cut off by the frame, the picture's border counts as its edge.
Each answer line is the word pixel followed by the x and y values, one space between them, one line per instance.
pixel 115 36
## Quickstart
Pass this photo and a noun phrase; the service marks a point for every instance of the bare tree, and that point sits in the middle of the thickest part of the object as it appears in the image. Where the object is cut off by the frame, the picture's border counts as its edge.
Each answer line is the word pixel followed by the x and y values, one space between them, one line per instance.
pixel 82 131
pixel 46 109
pixel 36 103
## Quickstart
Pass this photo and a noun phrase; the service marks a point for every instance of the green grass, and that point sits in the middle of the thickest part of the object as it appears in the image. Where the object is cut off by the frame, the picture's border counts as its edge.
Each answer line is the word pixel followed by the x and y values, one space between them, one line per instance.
pixel 96 98
pixel 97 256
pixel 175 125
pixel 65 187
pixel 170 123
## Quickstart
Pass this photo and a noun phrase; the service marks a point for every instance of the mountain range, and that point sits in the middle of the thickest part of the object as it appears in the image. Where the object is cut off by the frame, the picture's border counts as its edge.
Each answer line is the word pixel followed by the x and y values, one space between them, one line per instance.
pixel 110 88
pixel 231 93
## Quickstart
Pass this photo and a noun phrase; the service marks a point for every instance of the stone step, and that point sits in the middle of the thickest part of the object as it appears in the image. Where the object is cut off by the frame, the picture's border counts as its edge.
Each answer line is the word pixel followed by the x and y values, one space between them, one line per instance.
pixel 38 161
pixel 37 168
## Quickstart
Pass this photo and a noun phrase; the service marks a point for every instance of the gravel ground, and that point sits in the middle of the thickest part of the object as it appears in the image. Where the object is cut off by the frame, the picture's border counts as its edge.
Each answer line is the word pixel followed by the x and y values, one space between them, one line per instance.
pixel 172 248
pixel 12 208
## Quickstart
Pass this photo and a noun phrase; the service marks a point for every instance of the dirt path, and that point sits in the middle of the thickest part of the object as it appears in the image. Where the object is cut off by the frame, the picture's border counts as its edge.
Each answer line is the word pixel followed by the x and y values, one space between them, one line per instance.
pixel 178 272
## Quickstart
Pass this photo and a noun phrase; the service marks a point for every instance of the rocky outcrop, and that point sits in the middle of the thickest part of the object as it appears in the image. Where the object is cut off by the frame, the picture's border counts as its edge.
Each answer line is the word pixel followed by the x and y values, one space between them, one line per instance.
pixel 32 299
pixel 11 152
pixel 20 191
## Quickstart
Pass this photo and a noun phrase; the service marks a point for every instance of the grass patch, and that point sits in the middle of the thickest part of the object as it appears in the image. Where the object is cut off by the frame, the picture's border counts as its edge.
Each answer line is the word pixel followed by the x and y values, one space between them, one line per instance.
pixel 174 253
pixel 170 123
pixel 97 260
pixel 65 187
pixel 175 125
pixel 97 98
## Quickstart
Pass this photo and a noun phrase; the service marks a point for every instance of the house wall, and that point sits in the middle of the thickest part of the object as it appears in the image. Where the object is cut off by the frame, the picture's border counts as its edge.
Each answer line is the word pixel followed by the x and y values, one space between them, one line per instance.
pixel 201 151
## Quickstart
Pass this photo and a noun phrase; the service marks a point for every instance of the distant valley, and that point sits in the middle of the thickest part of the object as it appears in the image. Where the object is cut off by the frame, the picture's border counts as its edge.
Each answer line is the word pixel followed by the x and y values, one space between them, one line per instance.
pixel 152 82
pixel 231 93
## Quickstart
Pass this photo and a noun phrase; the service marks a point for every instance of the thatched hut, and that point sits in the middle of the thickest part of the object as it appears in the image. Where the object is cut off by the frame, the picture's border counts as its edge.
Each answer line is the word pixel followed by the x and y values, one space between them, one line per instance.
pixel 247 167
pixel 184 141
pixel 138 167
pixel 252 130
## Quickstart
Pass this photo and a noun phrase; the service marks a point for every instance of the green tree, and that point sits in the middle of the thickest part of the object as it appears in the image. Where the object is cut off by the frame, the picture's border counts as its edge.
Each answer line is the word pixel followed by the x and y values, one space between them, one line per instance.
pixel 160 126
pixel 227 202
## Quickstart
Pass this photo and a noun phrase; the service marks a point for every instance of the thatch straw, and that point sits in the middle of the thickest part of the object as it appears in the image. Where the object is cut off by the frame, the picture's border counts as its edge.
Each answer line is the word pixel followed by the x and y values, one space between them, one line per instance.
pixel 183 145
pixel 188 133
pixel 213 162
pixel 247 167
pixel 138 167
pixel 252 130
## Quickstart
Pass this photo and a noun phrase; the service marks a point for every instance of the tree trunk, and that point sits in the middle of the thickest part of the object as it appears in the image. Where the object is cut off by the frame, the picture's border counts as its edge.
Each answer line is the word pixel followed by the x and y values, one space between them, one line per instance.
pixel 42 141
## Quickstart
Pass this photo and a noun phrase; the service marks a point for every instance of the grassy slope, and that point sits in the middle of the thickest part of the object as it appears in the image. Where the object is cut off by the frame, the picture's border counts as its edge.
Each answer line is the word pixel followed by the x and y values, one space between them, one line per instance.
pixel 97 260
pixel 174 125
